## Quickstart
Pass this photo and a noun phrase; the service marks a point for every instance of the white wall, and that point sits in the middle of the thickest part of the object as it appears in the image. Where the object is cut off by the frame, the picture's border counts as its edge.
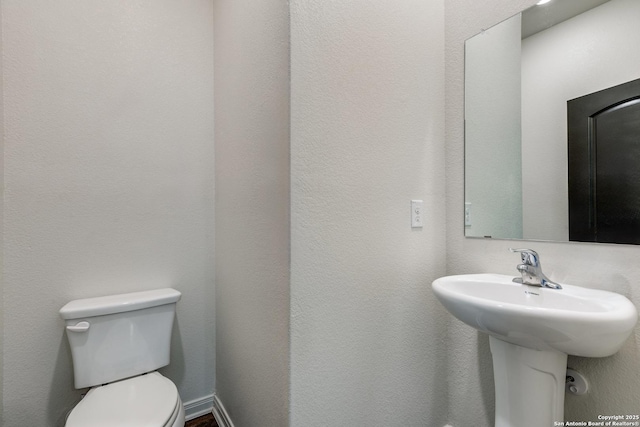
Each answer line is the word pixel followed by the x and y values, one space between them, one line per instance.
pixel 108 112
pixel 1 223
pixel 252 210
pixel 615 380
pixel 493 168
pixel 367 335
pixel 551 60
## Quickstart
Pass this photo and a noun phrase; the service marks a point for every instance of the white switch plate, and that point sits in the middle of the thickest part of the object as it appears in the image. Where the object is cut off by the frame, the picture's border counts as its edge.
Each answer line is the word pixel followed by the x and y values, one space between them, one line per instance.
pixel 467 214
pixel 417 217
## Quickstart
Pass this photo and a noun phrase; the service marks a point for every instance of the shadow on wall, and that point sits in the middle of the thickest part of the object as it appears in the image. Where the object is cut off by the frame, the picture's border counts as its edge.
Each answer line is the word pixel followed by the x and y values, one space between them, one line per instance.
pixel 440 373
pixel 59 403
pixel 177 367
pixel 485 370
pixel 606 377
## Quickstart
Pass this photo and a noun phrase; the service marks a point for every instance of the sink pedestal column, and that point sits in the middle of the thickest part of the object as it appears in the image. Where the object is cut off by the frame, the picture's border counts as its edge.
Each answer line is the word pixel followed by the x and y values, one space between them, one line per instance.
pixel 530 385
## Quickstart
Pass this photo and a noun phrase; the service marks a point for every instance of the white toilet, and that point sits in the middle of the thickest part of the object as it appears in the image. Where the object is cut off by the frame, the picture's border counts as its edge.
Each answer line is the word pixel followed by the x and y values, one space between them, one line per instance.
pixel 117 343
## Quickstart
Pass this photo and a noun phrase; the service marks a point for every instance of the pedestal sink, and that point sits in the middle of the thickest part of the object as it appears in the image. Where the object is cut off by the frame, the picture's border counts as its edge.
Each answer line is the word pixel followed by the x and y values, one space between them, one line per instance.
pixel 531 331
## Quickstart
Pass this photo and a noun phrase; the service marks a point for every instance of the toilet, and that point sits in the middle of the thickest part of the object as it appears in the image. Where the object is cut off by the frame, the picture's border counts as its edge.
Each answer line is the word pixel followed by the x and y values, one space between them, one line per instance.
pixel 117 344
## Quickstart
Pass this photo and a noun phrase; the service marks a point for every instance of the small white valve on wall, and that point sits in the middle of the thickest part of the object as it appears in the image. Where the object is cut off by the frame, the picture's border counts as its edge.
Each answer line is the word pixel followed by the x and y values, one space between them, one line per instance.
pixel 576 383
pixel 417 218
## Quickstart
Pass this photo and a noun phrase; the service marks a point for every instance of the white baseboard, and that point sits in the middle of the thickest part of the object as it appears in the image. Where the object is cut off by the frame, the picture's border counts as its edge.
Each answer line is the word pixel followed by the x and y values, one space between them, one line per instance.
pixel 220 414
pixel 198 407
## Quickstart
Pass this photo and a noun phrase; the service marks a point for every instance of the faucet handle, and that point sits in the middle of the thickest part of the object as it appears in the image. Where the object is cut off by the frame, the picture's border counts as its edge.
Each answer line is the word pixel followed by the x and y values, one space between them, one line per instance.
pixel 531 270
pixel 528 256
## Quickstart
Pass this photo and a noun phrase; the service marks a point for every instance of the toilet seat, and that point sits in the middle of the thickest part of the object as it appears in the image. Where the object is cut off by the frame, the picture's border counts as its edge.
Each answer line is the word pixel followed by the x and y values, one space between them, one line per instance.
pixel 149 400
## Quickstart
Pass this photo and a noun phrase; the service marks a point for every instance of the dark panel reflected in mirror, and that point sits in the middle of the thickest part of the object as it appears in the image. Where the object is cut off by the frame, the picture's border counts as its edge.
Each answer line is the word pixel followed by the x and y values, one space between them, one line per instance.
pixel 604 165
pixel 519 77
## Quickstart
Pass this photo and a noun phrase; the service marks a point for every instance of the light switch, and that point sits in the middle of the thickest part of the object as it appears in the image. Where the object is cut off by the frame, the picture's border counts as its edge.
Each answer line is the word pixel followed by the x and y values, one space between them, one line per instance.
pixel 417 217
pixel 467 214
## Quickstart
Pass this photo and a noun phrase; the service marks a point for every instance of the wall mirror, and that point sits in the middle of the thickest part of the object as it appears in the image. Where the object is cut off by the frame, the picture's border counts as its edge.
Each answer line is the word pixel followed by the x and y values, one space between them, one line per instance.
pixel 534 170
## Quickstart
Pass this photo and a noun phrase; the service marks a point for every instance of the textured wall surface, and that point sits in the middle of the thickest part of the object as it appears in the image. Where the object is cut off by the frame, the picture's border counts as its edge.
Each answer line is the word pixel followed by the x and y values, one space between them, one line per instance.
pixel 252 210
pixel 615 380
pixel 367 137
pixel 1 225
pixel 108 182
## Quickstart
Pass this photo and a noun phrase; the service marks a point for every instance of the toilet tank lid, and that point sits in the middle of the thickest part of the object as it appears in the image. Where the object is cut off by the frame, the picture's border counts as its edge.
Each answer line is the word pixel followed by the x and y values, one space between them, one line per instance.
pixel 111 304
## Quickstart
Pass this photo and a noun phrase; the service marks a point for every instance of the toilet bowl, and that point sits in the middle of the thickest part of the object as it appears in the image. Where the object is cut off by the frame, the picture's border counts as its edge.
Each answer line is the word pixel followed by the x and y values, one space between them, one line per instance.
pixel 117 343
pixel 145 400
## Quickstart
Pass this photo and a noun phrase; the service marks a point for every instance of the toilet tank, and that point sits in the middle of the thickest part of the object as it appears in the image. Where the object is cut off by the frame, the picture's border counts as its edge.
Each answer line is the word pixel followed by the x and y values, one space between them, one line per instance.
pixel 119 336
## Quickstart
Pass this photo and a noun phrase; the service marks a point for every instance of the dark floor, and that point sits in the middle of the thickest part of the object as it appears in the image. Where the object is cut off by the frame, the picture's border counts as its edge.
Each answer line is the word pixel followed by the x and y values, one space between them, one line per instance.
pixel 204 421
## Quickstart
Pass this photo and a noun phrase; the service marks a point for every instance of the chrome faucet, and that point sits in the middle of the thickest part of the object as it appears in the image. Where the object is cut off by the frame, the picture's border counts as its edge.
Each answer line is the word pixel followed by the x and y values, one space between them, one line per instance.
pixel 531 270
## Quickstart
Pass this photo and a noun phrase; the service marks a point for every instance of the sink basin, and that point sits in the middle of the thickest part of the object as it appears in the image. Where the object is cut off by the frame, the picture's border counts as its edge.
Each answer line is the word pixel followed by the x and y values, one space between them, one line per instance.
pixel 574 320
pixel 531 332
